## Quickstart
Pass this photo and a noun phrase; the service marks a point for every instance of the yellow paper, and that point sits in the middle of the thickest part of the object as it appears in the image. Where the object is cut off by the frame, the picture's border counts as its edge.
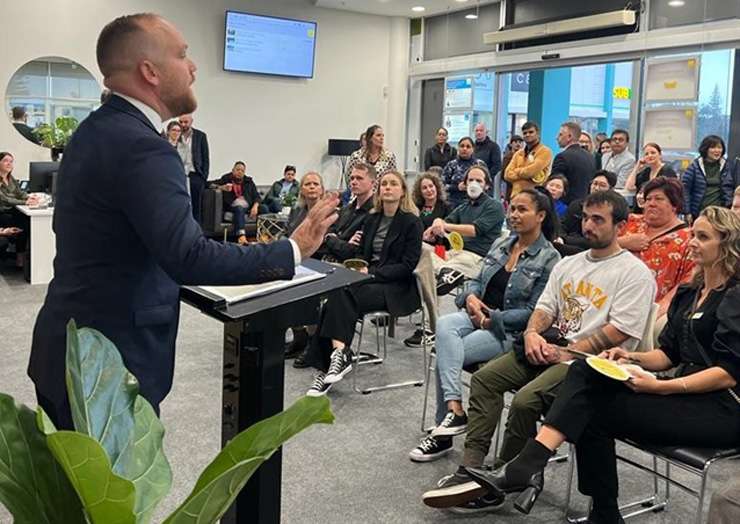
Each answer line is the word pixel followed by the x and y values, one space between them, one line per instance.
pixel 609 368
pixel 456 241
pixel 671 85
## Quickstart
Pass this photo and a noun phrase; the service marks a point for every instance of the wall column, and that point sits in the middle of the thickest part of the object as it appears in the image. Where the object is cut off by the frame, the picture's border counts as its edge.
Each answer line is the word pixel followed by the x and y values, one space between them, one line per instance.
pixel 549 102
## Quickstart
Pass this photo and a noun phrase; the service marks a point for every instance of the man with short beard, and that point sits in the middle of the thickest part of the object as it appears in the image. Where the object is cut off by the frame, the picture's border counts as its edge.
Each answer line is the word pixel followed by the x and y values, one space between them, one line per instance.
pixel 125 231
pixel 193 149
pixel 593 301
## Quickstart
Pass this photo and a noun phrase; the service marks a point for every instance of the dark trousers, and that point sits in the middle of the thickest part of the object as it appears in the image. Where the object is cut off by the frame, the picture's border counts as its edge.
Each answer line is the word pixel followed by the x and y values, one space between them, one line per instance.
pixel 197 186
pixel 59 411
pixel 592 410
pixel 339 317
pixel 240 218
pixel 14 218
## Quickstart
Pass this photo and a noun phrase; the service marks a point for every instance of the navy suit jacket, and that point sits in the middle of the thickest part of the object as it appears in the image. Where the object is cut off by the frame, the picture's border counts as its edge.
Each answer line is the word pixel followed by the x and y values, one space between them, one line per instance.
pixel 578 166
pixel 201 154
pixel 126 240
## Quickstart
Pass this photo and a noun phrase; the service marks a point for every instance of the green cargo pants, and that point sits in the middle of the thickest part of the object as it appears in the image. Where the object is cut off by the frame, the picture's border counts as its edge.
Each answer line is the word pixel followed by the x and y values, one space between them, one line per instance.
pixel 536 389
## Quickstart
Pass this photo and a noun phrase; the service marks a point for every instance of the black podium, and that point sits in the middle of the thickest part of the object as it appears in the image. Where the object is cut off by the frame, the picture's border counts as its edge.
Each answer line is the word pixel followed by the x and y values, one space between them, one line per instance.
pixel 253 370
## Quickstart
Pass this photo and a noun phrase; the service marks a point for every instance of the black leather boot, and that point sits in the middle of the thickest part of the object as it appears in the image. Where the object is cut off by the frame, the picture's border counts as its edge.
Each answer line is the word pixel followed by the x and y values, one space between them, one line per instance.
pixel 523 475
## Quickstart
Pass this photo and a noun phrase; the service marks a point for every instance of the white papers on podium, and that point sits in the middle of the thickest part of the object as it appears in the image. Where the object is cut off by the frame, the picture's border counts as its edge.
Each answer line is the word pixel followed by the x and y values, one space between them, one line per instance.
pixel 233 294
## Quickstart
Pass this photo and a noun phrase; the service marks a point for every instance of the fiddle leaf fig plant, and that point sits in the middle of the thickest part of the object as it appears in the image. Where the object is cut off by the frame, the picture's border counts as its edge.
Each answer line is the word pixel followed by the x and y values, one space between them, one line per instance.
pixel 112 469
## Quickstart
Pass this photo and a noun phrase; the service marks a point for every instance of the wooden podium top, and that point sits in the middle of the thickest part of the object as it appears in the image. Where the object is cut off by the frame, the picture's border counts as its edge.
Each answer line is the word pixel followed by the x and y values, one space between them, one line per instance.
pixel 215 306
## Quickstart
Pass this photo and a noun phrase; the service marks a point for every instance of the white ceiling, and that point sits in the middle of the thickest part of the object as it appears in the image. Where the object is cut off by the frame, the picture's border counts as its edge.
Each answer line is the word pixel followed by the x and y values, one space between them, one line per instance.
pixel 401 7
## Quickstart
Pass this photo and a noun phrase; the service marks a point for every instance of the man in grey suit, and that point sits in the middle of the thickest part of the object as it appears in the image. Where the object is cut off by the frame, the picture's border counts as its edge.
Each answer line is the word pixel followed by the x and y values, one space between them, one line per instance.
pixel 126 237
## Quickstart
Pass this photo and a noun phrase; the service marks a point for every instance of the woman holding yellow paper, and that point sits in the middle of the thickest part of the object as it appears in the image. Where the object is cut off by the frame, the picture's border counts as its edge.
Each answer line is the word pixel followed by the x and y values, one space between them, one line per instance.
pixel 700 338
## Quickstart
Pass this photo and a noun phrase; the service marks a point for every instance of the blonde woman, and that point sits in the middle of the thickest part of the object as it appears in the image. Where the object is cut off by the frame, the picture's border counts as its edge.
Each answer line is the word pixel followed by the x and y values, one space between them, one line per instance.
pixel 310 191
pixel 390 243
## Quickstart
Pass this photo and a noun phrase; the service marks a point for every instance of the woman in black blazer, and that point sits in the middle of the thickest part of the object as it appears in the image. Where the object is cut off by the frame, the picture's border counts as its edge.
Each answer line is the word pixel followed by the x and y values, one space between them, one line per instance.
pixel 390 243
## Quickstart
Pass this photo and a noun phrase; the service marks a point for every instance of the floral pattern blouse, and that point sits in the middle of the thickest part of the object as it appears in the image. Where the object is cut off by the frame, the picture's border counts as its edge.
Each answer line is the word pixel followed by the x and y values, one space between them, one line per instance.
pixel 667 256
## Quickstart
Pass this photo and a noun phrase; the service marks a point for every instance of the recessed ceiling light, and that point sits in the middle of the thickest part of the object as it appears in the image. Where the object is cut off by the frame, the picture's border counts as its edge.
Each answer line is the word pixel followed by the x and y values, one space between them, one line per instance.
pixel 677 3
pixel 418 9
pixel 471 16
pixel 461 1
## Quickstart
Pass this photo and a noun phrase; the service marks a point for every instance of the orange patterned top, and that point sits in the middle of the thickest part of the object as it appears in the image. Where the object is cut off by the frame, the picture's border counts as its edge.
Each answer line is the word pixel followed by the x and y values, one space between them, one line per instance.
pixel 667 256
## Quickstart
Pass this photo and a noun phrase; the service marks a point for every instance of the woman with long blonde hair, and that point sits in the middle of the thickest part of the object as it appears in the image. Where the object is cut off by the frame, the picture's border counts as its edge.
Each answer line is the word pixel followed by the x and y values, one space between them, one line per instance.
pixel 390 245
pixel 310 191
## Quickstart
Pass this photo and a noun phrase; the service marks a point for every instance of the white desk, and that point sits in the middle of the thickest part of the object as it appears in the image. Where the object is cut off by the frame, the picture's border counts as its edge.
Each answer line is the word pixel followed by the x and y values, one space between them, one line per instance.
pixel 42 243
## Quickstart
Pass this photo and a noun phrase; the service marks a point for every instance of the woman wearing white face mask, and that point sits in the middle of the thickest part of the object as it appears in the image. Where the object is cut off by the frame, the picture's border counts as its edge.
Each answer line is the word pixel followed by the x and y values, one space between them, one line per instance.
pixel 454 172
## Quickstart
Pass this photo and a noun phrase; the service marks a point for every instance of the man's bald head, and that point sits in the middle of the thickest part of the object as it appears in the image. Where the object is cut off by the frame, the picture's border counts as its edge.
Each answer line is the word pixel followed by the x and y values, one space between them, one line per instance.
pixel 145 57
pixel 125 41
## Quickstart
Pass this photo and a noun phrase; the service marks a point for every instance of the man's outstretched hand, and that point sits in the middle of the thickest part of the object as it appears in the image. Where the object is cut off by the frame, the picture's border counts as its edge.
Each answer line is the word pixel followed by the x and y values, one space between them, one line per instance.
pixel 310 234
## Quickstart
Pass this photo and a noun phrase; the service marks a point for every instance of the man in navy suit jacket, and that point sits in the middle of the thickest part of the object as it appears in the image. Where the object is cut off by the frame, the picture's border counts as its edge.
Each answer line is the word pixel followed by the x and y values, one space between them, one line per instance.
pixel 194 152
pixel 573 162
pixel 126 237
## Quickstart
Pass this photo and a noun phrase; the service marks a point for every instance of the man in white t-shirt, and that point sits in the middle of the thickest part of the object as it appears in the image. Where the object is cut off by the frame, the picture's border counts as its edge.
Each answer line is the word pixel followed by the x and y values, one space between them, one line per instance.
pixel 595 300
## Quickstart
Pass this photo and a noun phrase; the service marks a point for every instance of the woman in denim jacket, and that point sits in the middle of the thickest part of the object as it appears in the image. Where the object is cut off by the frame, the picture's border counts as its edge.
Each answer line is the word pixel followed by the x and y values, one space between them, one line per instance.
pixel 494 307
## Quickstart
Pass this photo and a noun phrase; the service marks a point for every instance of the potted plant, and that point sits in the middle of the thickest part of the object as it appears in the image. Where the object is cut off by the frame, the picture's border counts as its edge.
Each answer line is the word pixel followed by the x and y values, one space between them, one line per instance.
pixel 112 468
pixel 56 136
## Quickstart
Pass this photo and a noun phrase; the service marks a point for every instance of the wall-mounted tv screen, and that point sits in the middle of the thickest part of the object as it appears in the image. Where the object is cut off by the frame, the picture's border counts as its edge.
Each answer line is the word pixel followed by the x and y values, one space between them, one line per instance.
pixel 269 45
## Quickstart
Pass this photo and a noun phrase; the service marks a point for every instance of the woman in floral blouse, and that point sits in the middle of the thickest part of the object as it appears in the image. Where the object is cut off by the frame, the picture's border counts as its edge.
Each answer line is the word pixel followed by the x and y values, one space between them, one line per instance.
pixel 373 153
pixel 660 238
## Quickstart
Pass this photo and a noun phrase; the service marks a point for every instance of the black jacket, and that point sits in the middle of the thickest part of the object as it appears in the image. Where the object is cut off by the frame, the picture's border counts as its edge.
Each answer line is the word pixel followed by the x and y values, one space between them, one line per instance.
pixel 490 153
pixel 249 190
pixel 201 154
pixel 398 259
pixel 434 157
pixel 126 242
pixel 572 233
pixel 349 222
pixel 578 166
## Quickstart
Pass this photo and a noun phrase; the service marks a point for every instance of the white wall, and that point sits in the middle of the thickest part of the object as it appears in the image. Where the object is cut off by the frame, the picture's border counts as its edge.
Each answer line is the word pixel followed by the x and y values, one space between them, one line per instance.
pixel 265 121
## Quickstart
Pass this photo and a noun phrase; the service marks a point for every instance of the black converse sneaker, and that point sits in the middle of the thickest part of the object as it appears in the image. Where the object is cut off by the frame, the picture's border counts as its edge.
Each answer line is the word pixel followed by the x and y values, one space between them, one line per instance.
pixel 419 337
pixel 340 365
pixel 319 386
pixel 447 280
pixel 451 425
pixel 431 448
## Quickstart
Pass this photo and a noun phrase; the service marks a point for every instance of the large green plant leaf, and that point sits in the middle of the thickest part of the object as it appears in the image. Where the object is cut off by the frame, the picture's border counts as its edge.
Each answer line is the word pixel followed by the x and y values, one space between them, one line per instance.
pixel 32 485
pixel 223 479
pixel 108 498
pixel 101 392
pixel 106 406
pixel 149 469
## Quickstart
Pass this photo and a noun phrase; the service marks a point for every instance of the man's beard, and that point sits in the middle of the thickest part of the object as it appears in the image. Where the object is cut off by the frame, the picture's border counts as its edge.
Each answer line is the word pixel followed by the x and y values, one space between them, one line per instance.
pixel 595 243
pixel 180 104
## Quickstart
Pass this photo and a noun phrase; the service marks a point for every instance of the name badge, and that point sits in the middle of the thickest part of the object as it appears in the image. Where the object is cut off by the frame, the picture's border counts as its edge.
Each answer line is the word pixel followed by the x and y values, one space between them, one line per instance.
pixel 696 316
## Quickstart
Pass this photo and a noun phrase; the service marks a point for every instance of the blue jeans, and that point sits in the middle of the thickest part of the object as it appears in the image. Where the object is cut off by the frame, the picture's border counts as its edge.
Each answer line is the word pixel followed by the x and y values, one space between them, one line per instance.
pixel 458 344
pixel 240 217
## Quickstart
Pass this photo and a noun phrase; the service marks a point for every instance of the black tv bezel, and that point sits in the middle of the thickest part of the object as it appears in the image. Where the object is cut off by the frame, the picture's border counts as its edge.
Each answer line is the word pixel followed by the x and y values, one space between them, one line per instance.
pixel 313 56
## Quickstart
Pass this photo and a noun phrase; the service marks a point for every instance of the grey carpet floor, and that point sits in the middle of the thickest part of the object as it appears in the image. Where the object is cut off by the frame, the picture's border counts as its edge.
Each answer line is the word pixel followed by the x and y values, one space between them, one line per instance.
pixel 354 471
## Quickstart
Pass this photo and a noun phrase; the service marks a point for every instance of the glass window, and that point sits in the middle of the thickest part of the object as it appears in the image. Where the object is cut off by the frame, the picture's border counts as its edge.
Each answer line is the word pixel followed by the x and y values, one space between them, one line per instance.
pixel 461 32
pixel 671 13
pixel 709 111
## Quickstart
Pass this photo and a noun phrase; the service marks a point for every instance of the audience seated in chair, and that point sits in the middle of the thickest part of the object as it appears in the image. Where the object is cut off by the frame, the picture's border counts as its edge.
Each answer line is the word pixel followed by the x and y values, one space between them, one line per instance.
pixel 240 196
pixel 660 239
pixel 390 243
pixel 593 301
pixel 494 309
pixel 700 407
pixel 281 192
pixel 570 225
pixel 311 190
pixel 12 195
pixel 336 246
pixel 478 219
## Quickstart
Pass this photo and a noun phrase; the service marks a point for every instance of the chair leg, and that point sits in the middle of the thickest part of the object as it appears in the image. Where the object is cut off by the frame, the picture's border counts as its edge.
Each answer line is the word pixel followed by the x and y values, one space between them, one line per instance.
pixel 571 471
pixel 702 493
pixel 358 355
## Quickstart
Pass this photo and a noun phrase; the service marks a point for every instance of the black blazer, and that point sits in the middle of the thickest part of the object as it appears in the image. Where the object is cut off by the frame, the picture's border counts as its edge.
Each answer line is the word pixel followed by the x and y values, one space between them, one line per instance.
pixel 201 155
pixel 398 259
pixel 126 240
pixel 578 166
pixel 249 190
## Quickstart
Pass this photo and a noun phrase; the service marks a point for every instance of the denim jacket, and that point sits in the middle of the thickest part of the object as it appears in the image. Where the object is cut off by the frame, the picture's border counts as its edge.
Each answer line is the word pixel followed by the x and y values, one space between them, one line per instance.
pixel 526 283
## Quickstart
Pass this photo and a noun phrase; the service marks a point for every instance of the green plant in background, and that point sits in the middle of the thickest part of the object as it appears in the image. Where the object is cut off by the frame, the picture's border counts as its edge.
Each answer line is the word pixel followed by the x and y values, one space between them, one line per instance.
pixel 289 200
pixel 57 135
pixel 113 469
